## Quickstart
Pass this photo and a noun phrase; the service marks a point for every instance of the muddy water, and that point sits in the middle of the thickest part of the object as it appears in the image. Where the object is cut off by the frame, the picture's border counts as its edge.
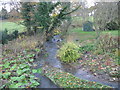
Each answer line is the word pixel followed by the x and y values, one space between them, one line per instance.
pixel 51 49
pixel 87 76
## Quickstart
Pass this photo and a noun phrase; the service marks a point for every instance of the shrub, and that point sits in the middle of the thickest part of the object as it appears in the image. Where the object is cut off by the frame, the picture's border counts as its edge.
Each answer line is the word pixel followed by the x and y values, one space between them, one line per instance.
pixel 4 36
pixel 107 43
pixel 69 52
pixel 15 34
pixel 117 52
pixel 117 56
pixel 112 26
pixel 8 37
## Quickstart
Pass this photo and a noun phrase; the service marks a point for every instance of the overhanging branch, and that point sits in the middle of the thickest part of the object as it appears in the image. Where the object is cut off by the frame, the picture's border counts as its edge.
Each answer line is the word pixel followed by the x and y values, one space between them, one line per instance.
pixel 72 11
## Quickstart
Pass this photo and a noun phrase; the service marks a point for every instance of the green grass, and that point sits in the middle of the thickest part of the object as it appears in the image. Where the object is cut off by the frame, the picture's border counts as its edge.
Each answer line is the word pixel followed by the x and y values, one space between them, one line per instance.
pixel 82 35
pixel 79 30
pixel 11 26
pixel 115 32
pixel 79 34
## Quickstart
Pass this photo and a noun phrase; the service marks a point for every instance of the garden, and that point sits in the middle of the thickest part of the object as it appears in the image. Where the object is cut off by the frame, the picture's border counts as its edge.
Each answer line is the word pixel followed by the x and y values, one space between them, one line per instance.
pixel 60 45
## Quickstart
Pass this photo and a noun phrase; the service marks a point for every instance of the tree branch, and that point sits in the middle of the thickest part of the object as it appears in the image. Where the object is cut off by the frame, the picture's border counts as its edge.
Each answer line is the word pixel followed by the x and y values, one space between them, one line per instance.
pixel 72 10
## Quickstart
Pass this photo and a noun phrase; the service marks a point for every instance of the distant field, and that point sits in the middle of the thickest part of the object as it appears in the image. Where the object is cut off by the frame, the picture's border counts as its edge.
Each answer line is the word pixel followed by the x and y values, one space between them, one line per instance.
pixel 11 26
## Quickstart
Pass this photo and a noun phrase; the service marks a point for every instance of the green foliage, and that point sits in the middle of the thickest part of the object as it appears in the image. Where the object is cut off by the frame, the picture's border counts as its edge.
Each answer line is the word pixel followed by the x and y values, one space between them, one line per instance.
pixel 117 56
pixel 26 14
pixel 7 37
pixel 86 48
pixel 18 72
pixel 42 14
pixel 4 14
pixel 49 23
pixel 4 36
pixel 45 16
pixel 37 50
pixel 15 34
pixel 69 52
pixel 112 26
pixel 37 70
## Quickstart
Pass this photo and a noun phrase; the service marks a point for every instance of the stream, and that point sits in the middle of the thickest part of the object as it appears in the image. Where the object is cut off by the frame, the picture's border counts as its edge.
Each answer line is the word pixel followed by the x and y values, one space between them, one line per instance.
pixel 51 48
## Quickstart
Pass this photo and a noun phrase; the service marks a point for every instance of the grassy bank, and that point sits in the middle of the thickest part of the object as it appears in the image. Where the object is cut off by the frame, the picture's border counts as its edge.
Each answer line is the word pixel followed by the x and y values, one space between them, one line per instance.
pixel 67 80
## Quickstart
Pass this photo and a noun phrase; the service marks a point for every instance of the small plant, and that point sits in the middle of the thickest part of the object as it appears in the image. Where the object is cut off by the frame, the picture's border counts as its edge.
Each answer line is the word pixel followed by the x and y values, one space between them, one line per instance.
pixel 4 38
pixel 117 52
pixel 86 48
pixel 8 37
pixel 19 74
pixel 69 52
pixel 117 56
pixel 112 26
pixel 98 52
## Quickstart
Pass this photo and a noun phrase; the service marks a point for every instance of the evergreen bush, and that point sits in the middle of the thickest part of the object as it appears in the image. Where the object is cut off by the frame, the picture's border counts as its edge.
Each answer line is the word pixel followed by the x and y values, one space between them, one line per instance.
pixel 69 52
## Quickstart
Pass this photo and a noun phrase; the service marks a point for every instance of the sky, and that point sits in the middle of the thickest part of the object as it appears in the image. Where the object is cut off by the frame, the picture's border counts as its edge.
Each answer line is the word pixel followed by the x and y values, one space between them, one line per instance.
pixel 89 2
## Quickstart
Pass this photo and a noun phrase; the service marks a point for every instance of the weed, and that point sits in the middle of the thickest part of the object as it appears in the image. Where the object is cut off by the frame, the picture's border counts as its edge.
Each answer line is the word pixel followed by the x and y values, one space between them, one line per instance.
pixel 19 74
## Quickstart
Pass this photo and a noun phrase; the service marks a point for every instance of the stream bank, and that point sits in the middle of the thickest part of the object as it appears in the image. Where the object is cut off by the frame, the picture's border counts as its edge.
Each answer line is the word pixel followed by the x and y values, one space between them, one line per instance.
pixel 51 49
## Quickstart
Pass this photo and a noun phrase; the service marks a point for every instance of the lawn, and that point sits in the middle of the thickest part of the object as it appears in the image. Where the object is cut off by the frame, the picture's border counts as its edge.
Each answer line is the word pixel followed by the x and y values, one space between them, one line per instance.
pixel 78 33
pixel 11 26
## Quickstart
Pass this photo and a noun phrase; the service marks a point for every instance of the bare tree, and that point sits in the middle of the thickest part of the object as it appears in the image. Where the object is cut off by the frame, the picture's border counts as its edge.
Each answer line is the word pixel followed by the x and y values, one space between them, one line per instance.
pixel 104 13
